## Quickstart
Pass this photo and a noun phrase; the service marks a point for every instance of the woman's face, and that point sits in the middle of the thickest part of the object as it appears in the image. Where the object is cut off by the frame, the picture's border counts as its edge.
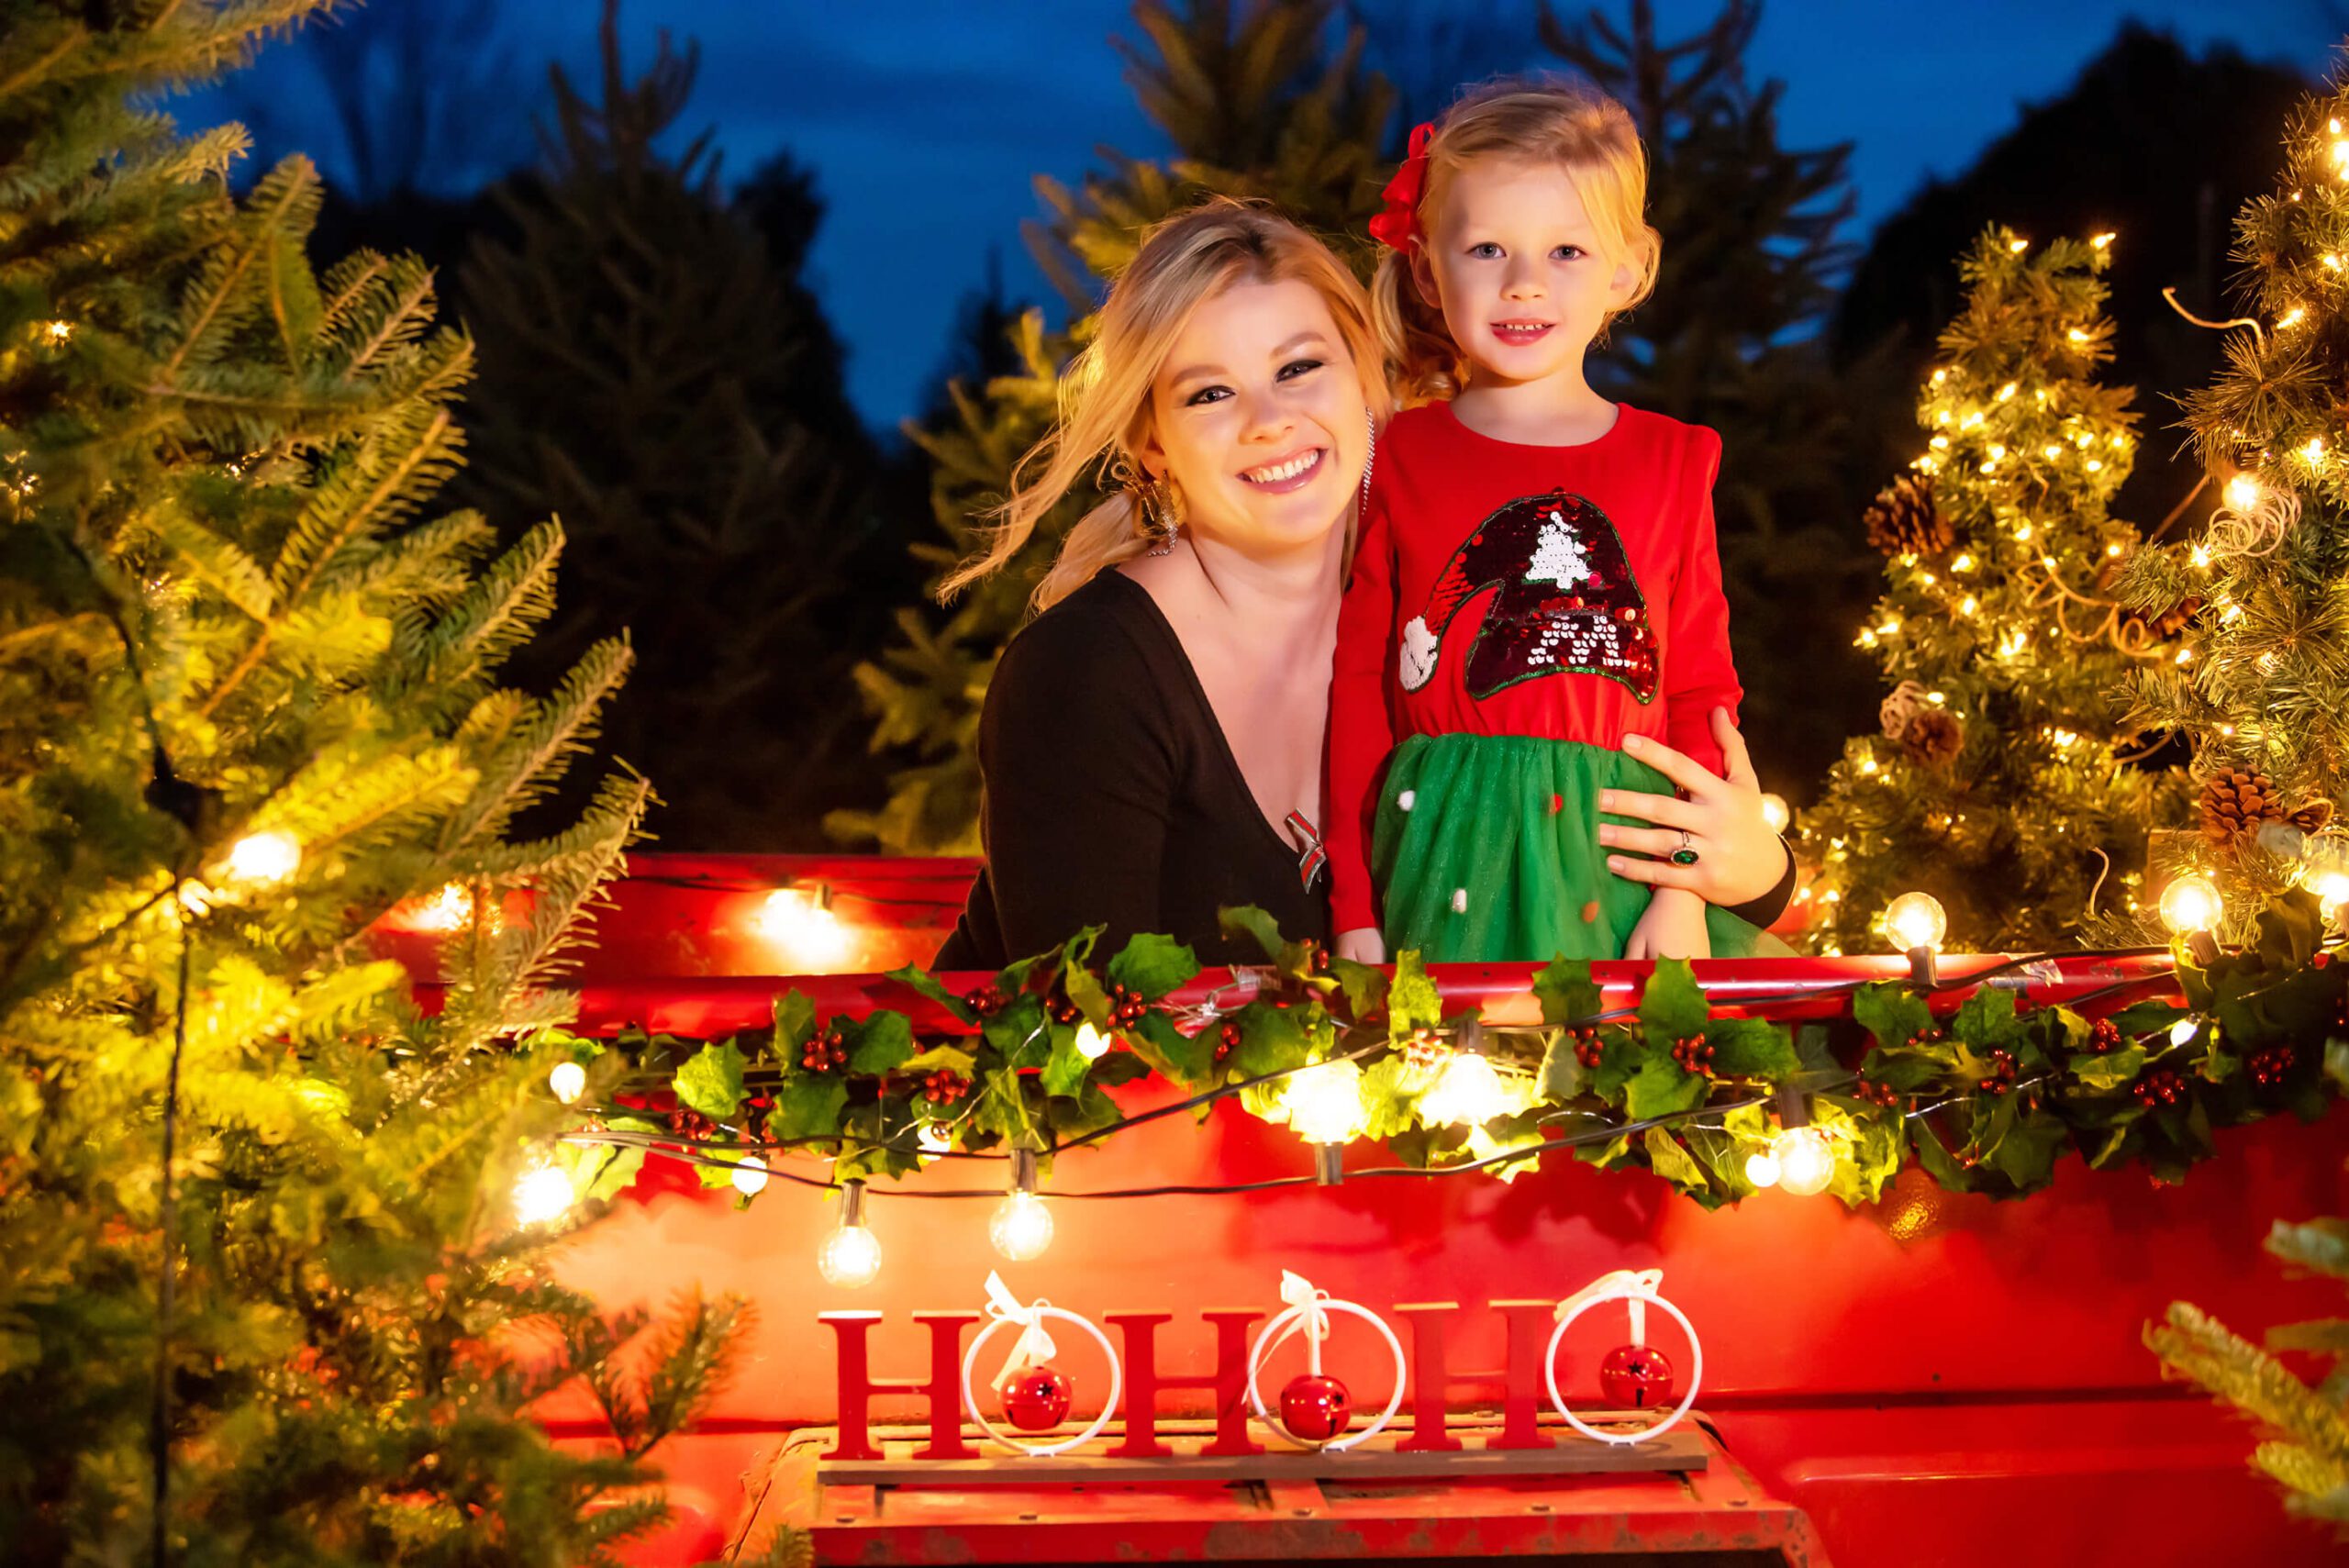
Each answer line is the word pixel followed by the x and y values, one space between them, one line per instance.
pixel 1260 419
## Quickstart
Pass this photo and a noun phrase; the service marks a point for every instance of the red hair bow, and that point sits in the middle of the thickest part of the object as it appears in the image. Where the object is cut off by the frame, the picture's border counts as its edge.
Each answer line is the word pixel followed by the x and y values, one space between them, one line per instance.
pixel 1397 227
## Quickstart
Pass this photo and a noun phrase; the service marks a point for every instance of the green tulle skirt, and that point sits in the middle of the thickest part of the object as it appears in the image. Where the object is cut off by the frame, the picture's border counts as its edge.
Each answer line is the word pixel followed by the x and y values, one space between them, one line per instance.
pixel 1486 850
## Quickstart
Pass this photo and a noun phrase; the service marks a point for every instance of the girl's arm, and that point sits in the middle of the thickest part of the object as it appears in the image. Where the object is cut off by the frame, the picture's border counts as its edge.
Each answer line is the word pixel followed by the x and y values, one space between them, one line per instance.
pixel 1081 767
pixel 1361 727
pixel 1698 674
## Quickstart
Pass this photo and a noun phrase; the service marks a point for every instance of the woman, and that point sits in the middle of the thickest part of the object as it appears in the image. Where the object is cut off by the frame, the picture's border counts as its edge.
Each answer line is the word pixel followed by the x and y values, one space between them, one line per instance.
pixel 1152 743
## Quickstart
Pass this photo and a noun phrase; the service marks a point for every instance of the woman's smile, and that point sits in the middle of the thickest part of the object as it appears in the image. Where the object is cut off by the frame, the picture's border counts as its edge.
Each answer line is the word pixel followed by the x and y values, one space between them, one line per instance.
pixel 1292 473
pixel 1519 333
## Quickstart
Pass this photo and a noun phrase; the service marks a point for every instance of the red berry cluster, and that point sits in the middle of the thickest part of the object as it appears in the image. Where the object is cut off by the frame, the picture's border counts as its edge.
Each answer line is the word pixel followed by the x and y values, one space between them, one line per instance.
pixel 1588 1047
pixel 2269 1065
pixel 1924 1038
pixel 942 1087
pixel 1226 1039
pixel 1062 1008
pixel 1876 1094
pixel 688 1123
pixel 824 1052
pixel 1423 1049
pixel 2104 1035
pixel 1317 959
pixel 2002 1074
pixel 1126 1008
pixel 1693 1055
pixel 2160 1087
pixel 985 999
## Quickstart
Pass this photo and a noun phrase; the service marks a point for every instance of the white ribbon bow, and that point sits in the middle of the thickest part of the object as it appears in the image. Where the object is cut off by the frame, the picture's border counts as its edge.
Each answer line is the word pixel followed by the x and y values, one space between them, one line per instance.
pixel 1637 1287
pixel 1032 1346
pixel 1312 1318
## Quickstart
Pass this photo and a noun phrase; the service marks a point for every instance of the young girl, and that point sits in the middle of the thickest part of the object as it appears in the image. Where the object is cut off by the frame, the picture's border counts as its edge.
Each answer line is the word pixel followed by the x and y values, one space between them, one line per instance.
pixel 1537 588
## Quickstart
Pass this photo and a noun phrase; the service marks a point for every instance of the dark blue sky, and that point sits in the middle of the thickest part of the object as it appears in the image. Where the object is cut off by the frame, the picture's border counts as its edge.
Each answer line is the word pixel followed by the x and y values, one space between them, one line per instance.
pixel 926 120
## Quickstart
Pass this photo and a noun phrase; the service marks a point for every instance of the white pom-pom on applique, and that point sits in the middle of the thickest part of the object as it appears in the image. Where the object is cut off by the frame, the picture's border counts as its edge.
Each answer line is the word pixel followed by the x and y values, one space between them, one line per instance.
pixel 1404 801
pixel 1418 653
pixel 1460 900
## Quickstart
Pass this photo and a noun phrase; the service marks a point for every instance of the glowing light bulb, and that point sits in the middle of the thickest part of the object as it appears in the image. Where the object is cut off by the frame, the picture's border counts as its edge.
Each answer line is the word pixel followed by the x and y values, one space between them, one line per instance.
pixel 1091 1043
pixel 1805 1159
pixel 2314 450
pixel 1324 1102
pixel 934 1138
pixel 749 1176
pixel 1762 1168
pixel 2102 241
pixel 264 858
pixel 2243 493
pixel 2331 890
pixel 2182 1032
pixel 1916 920
pixel 2019 246
pixel 849 1257
pixel 1777 813
pixel 1467 1091
pixel 542 1196
pixel 806 934
pixel 568 1080
pixel 450 909
pixel 59 330
pixel 1021 1227
pixel 2191 904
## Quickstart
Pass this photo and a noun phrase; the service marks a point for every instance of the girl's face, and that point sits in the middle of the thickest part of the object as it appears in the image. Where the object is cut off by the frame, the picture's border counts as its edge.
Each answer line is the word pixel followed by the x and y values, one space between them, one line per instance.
pixel 1514 262
pixel 1259 419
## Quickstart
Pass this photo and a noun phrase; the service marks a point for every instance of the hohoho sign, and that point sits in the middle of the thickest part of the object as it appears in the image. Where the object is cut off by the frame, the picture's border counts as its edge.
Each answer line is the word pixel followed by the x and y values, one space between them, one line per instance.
pixel 1647 1388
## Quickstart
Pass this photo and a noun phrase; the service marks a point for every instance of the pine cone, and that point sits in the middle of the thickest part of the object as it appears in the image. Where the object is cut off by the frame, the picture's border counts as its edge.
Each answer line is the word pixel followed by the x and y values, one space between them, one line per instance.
pixel 1933 737
pixel 1903 519
pixel 2238 802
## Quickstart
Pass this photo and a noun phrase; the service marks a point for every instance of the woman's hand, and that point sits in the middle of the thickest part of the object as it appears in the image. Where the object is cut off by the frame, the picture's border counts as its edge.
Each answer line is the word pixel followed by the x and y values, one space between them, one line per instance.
pixel 1674 926
pixel 1739 857
pixel 1363 945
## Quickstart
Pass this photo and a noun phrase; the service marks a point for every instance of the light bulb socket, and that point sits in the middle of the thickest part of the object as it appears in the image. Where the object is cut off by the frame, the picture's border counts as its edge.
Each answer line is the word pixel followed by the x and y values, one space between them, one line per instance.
pixel 1469 1038
pixel 2202 946
pixel 1023 1171
pixel 1328 1163
pixel 851 1203
pixel 1924 968
pixel 1794 1108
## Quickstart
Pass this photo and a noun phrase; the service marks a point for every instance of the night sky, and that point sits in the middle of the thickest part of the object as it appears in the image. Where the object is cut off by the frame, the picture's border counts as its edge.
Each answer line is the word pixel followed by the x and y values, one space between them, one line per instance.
pixel 925 120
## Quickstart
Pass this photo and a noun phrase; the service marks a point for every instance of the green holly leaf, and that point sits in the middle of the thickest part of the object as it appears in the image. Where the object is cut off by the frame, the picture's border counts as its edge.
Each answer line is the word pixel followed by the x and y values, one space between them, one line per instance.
pixel 1892 1013
pixel 1364 985
pixel 1087 993
pixel 1603 1155
pixel 883 1043
pixel 1563 1073
pixel 1566 991
pixel 2291 928
pixel 1908 1071
pixel 1622 1055
pixel 2026 1155
pixel 1390 1096
pixel 1723 1156
pixel 1872 1146
pixel 1752 1047
pixel 1663 1087
pixel 1066 1068
pixel 2114 1070
pixel 1089 1110
pixel 711 1082
pixel 1501 1135
pixel 1938 1162
pixel 1668 1160
pixel 1152 965
pixel 1247 920
pixel 1001 1111
pixel 1017 1029
pixel 795 1026
pixel 1987 1022
pixel 1272 1040
pixel 928 984
pixel 1673 1005
pixel 941 1059
pixel 1413 1000
pixel 808 1106
pixel 1170 1051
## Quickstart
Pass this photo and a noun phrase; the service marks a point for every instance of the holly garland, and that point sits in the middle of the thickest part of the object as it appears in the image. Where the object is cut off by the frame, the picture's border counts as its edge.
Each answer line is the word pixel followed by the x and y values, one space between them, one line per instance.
pixel 1984 1101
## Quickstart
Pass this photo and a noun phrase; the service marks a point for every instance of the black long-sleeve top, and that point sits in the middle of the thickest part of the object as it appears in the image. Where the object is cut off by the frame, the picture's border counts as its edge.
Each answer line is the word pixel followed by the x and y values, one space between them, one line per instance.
pixel 1112 799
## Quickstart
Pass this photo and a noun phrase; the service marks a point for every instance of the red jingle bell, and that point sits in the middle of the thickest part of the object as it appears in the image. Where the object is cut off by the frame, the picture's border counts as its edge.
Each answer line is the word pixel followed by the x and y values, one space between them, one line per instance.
pixel 1636 1377
pixel 1315 1406
pixel 1035 1398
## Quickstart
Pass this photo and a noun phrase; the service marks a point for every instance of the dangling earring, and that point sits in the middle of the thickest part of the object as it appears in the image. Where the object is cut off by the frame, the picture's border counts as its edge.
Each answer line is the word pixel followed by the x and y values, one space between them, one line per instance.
pixel 1158 511
pixel 1370 457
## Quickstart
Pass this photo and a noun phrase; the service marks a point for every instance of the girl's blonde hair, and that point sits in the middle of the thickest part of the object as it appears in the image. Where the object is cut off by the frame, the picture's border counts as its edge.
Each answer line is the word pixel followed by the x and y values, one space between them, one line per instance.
pixel 1576 128
pixel 1104 411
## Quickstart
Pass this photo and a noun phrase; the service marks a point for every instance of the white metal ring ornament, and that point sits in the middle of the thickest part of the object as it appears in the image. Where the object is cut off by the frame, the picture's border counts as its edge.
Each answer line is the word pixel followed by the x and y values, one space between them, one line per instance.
pixel 1639 1294
pixel 1043 1450
pixel 1276 1331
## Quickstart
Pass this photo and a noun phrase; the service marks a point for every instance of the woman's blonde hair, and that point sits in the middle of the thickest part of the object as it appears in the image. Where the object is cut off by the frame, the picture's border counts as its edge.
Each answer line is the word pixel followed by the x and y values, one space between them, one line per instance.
pixel 1576 128
pixel 1105 412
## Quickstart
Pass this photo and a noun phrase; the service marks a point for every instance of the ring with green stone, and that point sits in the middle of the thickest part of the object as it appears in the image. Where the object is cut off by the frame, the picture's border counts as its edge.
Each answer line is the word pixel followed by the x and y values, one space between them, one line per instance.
pixel 1686 855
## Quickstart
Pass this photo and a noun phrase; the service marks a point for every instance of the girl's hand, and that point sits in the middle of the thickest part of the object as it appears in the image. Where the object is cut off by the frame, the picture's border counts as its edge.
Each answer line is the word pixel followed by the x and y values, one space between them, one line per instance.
pixel 1739 858
pixel 1674 926
pixel 1363 945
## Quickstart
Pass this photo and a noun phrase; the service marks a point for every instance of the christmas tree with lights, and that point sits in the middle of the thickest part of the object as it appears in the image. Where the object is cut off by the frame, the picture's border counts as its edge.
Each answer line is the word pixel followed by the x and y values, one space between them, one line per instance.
pixel 1257 105
pixel 2003 783
pixel 2259 685
pixel 264 1251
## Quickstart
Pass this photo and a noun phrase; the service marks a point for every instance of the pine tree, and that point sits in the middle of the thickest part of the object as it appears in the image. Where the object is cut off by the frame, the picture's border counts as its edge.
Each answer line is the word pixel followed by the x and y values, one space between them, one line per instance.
pixel 264 1264
pixel 2001 784
pixel 2307 1452
pixel 653 379
pixel 1733 339
pixel 1258 104
pixel 2259 686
